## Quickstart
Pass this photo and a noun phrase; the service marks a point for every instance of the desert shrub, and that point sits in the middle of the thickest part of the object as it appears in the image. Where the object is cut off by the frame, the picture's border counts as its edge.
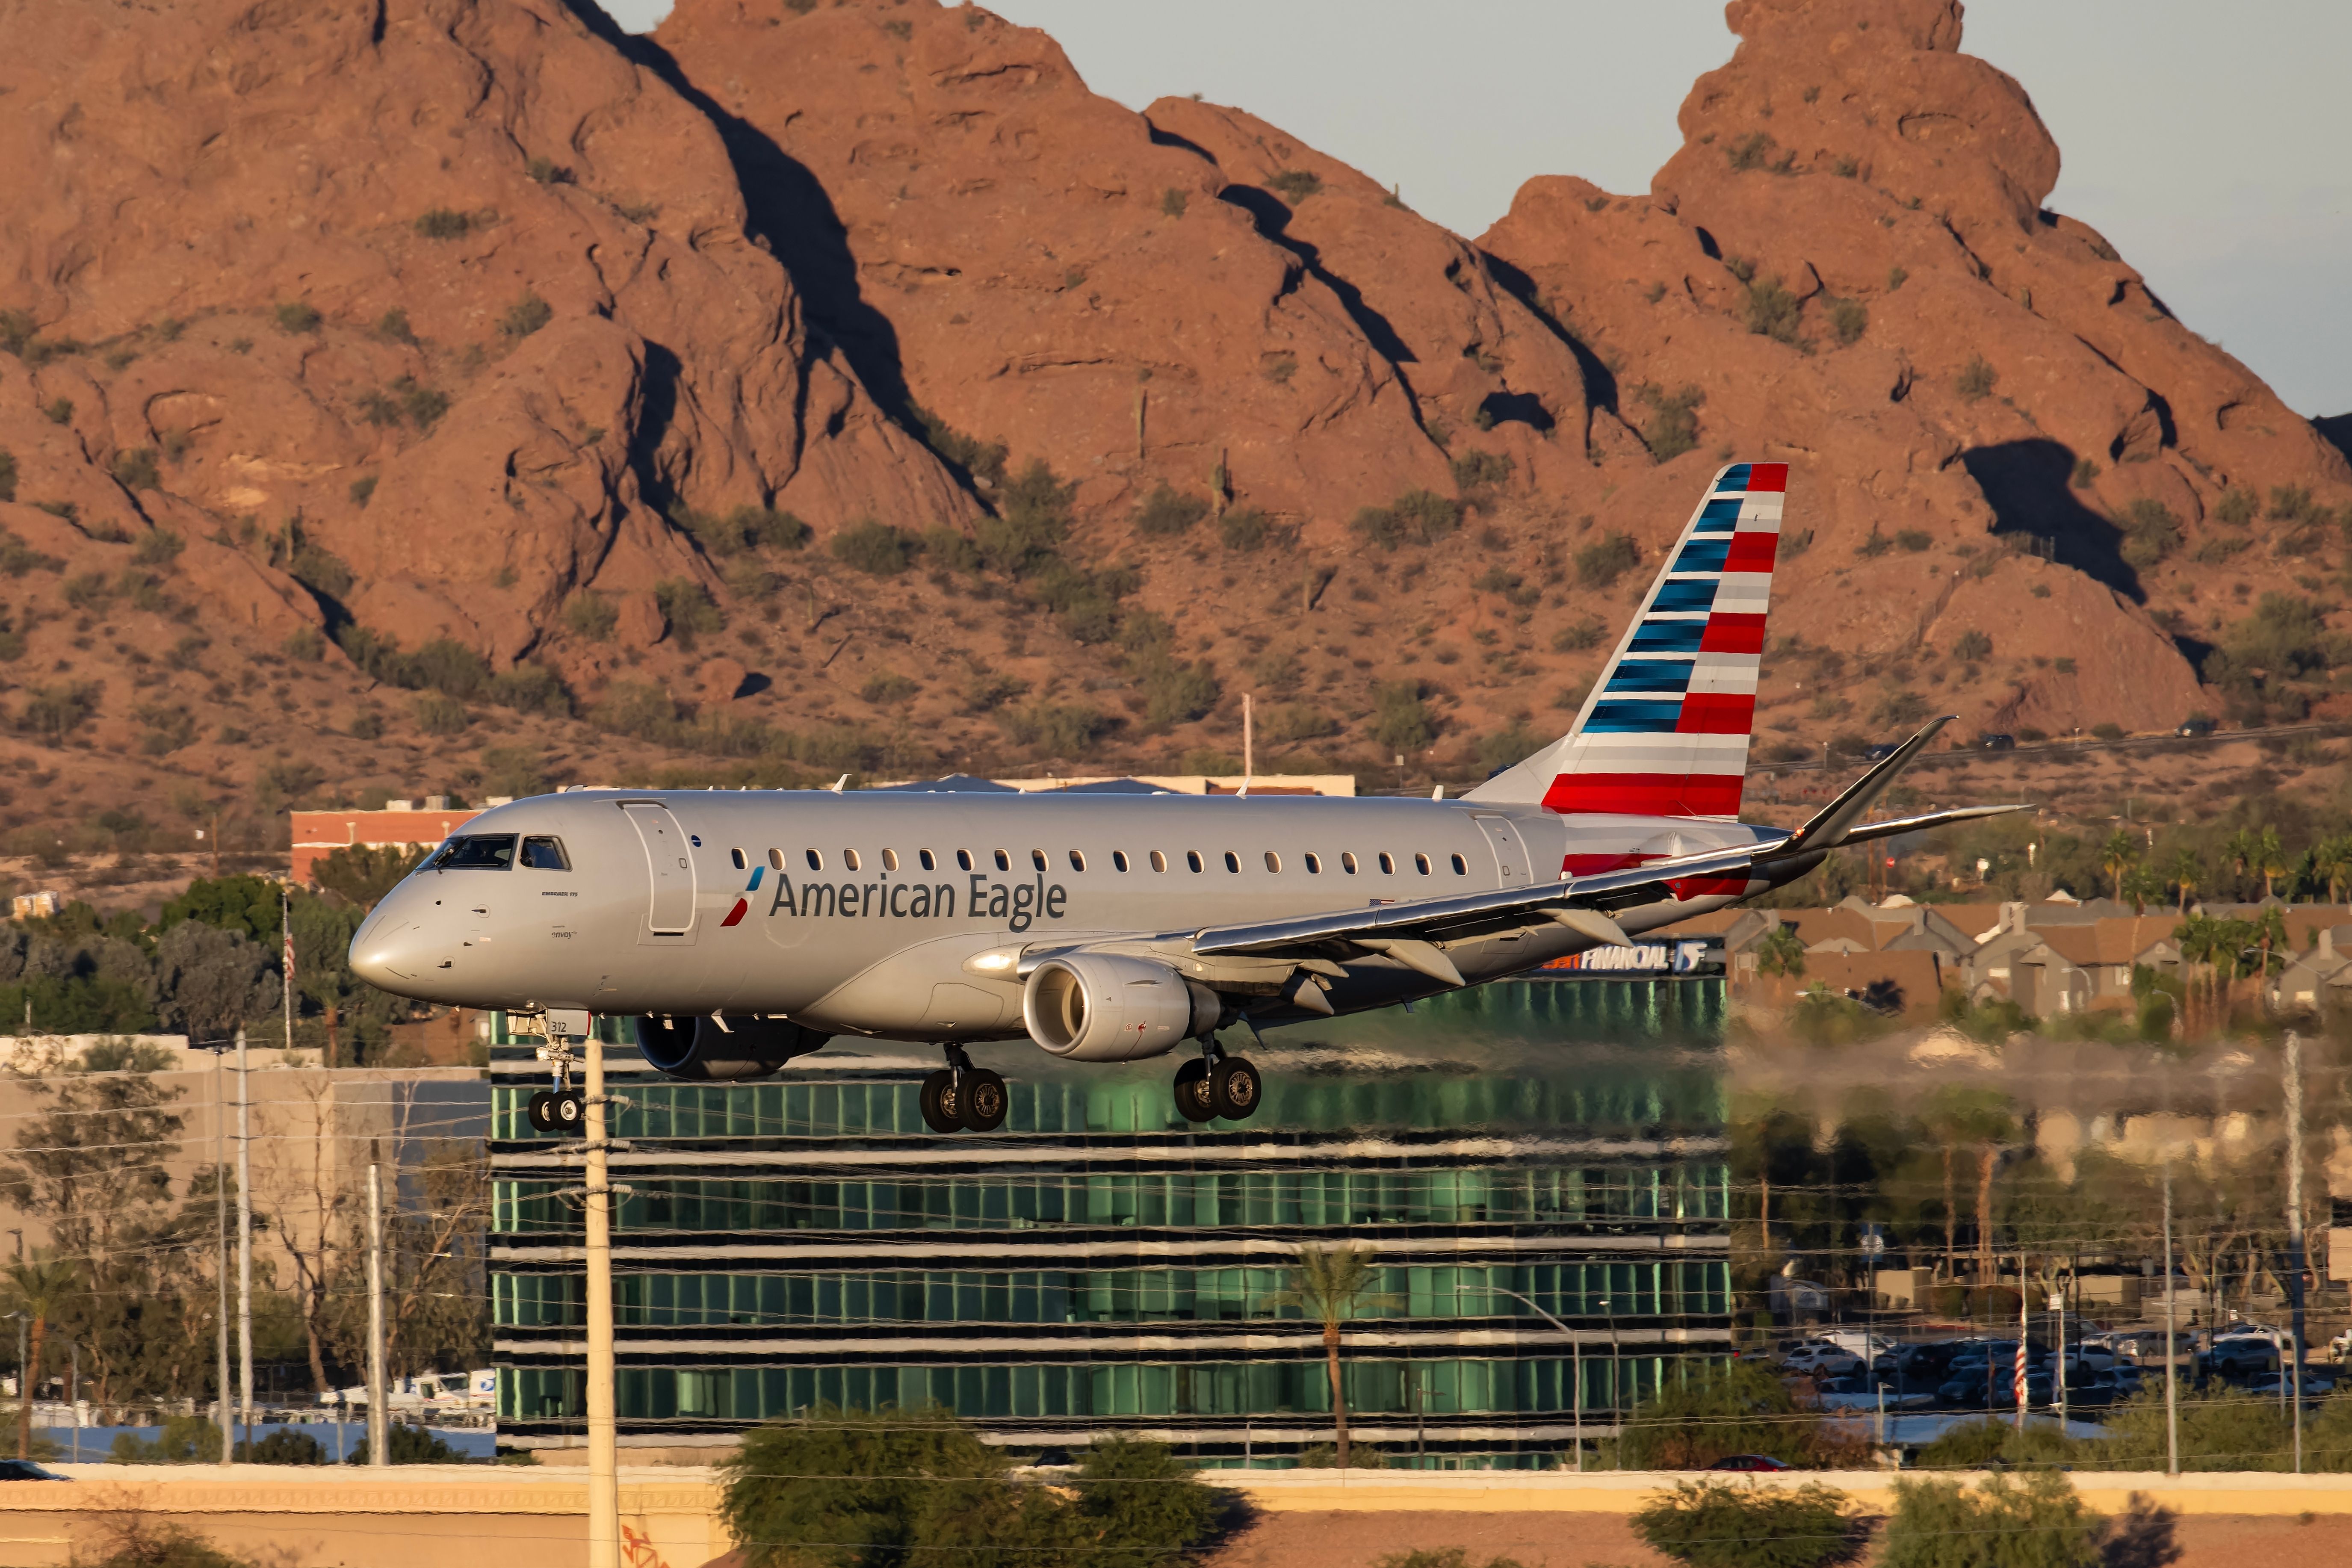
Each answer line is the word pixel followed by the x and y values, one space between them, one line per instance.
pixel 1416 517
pixel 1900 709
pixel 1874 544
pixel 2035 1523
pixel 1060 730
pixel 1165 511
pixel 2237 507
pixel 1971 646
pixel 2085 474
pixel 2290 503
pixel 1498 750
pixel 1849 319
pixel 1296 721
pixel 361 488
pixel 409 1446
pixel 440 223
pixel 1175 693
pixel 1914 540
pixel 526 315
pixel 298 316
pixel 1476 470
pixel 2108 731
pixel 441 715
pixel 58 410
pixel 984 459
pixel 1771 311
pixel 392 325
pixel 1171 202
pixel 1031 520
pixel 283 1447
pixel 1672 429
pixel 687 608
pixel 1749 152
pixel 7 475
pixel 1294 185
pixel 589 614
pixel 53 712
pixel 1245 528
pixel 88 590
pixel 875 548
pixel 1579 636
pixel 305 644
pixel 1280 368
pixel 530 689
pixel 951 550
pixel 742 528
pixel 1715 1524
pixel 2150 533
pixel 547 172
pixel 135 469
pixel 889 687
pixel 1402 722
pixel 1603 562
pixel 1977 379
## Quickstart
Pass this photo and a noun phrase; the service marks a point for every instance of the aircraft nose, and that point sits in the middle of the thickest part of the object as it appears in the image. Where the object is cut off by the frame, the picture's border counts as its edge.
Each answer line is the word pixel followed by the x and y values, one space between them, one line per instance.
pixel 388 951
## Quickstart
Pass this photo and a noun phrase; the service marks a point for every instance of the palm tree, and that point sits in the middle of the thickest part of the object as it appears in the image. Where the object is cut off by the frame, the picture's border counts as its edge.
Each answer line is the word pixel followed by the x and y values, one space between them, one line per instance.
pixel 2244 849
pixel 2270 858
pixel 1328 1282
pixel 2201 938
pixel 2188 874
pixel 40 1289
pixel 2332 861
pixel 1957 1117
pixel 1782 951
pixel 2143 884
pixel 2117 856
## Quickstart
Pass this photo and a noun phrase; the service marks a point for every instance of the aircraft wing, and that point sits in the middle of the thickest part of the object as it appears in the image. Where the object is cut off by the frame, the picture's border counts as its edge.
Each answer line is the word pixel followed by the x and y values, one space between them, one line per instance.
pixel 1410 930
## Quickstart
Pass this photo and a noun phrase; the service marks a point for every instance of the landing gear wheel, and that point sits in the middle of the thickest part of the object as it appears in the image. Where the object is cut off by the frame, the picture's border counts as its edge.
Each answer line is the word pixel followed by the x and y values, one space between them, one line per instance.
pixel 985 1100
pixel 565 1109
pixel 1193 1101
pixel 542 1118
pixel 938 1091
pixel 1233 1088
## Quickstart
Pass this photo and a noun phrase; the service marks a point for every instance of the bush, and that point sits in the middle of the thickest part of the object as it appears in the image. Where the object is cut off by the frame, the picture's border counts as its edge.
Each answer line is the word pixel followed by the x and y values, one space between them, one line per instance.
pixel 410 1446
pixel 304 644
pixel 1849 319
pixel 298 316
pixel 875 548
pixel 1713 1524
pixel 1914 540
pixel 1402 722
pixel 1601 563
pixel 1672 429
pixel 1245 528
pixel 1749 151
pixel 1165 513
pixel 135 469
pixel 1771 311
pixel 547 172
pixel 1976 381
pixel 2085 474
pixel 2150 533
pixel 687 608
pixel 2237 507
pixel 7 475
pixel 450 668
pixel 983 458
pixel 440 223
pixel 589 614
pixel 1416 517
pixel 183 1441
pixel 1477 470
pixel 1171 202
pixel 2038 1522
pixel 361 488
pixel 1056 730
pixel 743 528
pixel 526 315
pixel 283 1447
pixel 1971 646
pixel 889 687
pixel 1178 693
pixel 53 712
pixel 393 326
pixel 58 410
pixel 1294 185
pixel 1579 636
pixel 439 715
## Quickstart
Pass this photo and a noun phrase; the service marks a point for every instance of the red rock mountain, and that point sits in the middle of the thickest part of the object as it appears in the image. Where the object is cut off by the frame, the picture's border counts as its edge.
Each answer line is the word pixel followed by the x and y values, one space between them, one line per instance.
pixel 462 393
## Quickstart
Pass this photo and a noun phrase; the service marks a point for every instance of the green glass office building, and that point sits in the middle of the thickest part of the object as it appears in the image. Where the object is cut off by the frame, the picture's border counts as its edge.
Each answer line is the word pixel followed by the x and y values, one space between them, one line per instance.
pixel 1100 1264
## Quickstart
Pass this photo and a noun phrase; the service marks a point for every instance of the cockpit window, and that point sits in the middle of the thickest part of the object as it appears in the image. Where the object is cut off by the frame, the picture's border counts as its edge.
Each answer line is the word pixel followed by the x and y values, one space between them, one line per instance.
pixel 547 855
pixel 480 852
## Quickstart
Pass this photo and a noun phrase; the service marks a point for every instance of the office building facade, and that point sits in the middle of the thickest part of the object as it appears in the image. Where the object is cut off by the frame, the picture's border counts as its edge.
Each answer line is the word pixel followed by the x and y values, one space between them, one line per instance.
pixel 1100 1263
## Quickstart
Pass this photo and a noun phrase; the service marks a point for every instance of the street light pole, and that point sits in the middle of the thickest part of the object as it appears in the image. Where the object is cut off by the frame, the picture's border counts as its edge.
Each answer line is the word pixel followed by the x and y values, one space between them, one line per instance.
pixel 244 1240
pixel 1575 1374
pixel 220 1218
pixel 603 1481
pixel 2171 1380
pixel 2295 1226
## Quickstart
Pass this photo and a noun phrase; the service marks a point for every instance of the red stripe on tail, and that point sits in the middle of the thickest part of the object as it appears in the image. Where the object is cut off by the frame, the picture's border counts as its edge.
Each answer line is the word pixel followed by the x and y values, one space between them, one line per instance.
pixel 1647 795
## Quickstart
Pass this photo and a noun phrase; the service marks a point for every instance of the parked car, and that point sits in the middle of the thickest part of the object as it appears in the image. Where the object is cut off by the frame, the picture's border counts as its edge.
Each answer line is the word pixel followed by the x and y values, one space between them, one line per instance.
pixel 2195 726
pixel 1996 742
pixel 1750 1462
pixel 2272 1383
pixel 27 1470
pixel 1816 1360
pixel 1863 1344
pixel 1881 751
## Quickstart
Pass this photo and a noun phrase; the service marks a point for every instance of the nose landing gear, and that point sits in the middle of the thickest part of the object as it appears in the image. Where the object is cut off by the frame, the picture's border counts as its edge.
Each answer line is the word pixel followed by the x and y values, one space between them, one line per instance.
pixel 557 1109
pixel 1214 1084
pixel 961 1098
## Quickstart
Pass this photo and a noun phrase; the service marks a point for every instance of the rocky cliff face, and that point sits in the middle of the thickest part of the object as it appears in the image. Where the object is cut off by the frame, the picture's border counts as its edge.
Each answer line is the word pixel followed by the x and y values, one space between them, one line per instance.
pixel 600 372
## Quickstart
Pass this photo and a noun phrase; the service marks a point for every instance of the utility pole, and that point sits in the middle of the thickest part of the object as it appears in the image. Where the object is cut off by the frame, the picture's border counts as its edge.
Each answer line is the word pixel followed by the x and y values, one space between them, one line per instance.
pixel 286 958
pixel 2294 1229
pixel 220 1215
pixel 1248 755
pixel 2171 1378
pixel 244 1240
pixel 604 1482
pixel 378 1422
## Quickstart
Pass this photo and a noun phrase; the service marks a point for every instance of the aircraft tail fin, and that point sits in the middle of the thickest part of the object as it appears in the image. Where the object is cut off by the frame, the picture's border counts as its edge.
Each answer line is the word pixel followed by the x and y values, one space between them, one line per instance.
pixel 1665 729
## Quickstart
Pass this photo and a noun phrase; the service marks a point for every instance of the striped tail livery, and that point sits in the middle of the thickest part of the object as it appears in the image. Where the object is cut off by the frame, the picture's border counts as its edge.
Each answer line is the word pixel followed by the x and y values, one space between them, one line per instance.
pixel 1664 731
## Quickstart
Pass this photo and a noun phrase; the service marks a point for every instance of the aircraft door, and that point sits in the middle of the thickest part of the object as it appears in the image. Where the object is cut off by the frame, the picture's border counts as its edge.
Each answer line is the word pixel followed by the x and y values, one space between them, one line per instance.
pixel 1510 855
pixel 669 865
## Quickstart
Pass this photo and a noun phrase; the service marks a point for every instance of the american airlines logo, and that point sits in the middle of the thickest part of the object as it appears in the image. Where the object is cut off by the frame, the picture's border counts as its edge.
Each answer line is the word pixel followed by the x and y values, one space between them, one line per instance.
pixel 1018 904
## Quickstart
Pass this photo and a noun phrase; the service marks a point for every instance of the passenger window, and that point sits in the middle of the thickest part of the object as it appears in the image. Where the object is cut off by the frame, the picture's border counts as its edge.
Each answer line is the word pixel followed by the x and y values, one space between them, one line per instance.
pixel 775 859
pixel 1314 865
pixel 1388 864
pixel 1192 858
pixel 815 859
pixel 1461 867
pixel 1347 864
pixel 1159 861
pixel 477 852
pixel 1232 861
pixel 547 855
pixel 926 860
pixel 849 859
pixel 1038 859
pixel 1077 861
pixel 734 855
pixel 1273 861
pixel 1420 864
pixel 889 860
pixel 963 859
pixel 1118 859
pixel 1003 861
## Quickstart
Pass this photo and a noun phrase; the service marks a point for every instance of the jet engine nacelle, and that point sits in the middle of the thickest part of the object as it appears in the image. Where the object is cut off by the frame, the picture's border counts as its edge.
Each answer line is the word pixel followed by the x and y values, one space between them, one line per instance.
pixel 1107 1007
pixel 699 1050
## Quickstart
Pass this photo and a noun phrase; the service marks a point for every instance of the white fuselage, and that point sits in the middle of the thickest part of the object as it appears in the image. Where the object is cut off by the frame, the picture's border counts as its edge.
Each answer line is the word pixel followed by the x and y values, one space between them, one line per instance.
pixel 865 913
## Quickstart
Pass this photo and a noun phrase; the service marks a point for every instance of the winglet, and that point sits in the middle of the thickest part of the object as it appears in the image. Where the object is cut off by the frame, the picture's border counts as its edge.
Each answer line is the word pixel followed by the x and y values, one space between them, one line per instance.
pixel 1830 826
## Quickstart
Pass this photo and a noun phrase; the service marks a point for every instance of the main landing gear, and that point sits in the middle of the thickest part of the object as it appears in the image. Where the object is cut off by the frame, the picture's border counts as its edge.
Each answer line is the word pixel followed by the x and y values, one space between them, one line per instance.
pixel 1215 1085
pixel 961 1098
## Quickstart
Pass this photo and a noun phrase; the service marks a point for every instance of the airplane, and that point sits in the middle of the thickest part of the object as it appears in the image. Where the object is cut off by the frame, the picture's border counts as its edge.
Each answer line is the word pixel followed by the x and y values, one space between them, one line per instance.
pixel 743 929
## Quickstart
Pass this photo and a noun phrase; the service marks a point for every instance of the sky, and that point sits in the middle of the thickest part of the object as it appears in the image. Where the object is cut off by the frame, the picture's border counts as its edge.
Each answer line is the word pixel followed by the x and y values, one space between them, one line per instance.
pixel 2204 140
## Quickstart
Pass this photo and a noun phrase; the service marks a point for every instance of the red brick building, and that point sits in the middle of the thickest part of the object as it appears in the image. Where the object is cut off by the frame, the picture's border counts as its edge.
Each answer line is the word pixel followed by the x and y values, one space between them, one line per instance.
pixel 400 823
